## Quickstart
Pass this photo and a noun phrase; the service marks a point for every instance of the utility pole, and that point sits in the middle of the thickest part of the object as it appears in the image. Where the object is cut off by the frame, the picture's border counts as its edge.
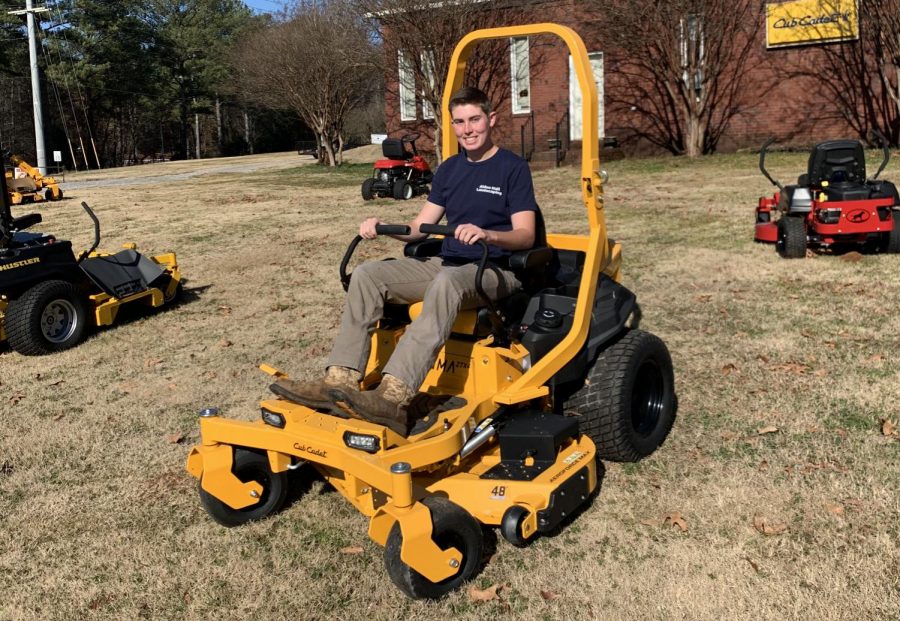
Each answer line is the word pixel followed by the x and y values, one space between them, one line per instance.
pixel 40 150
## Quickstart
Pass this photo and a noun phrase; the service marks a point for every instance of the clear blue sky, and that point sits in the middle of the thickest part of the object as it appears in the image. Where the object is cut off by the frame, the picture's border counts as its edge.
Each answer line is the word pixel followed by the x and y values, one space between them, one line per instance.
pixel 265 6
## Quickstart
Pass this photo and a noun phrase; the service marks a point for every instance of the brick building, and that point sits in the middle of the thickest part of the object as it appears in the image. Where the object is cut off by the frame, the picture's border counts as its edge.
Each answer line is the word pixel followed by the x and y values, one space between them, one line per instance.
pixel 781 95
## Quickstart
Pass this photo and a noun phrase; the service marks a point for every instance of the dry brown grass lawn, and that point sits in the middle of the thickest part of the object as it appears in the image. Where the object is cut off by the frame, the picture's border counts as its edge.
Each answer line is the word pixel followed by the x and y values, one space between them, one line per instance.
pixel 99 520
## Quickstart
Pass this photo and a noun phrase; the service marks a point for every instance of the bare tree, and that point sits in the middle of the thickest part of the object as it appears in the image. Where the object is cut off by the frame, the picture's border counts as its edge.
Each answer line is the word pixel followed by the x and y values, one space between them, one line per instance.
pixel 424 34
pixel 859 72
pixel 883 16
pixel 680 66
pixel 319 61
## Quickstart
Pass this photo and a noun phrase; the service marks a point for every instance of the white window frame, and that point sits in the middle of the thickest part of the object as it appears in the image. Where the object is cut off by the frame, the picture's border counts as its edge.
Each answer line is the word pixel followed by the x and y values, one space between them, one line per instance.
pixel 520 74
pixel 406 81
pixel 428 71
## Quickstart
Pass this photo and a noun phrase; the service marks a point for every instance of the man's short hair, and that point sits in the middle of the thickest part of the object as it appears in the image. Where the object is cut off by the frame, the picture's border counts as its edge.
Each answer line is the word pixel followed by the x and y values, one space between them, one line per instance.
pixel 470 95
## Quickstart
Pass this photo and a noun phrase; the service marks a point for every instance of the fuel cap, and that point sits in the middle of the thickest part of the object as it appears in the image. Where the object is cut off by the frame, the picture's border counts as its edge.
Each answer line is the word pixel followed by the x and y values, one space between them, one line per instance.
pixel 548 318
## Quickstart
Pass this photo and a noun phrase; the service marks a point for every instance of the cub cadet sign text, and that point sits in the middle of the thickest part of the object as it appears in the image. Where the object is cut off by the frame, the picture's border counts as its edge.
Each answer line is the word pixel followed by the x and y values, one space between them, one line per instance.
pixel 804 22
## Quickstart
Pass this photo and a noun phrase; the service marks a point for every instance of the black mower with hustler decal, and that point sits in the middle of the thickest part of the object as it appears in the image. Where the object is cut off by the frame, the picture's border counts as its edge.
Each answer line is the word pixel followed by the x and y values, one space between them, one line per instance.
pixel 525 399
pixel 49 296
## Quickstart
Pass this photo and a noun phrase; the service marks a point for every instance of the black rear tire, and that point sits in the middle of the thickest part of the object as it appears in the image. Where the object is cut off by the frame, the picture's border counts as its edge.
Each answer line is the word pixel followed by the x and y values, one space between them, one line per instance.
pixel 627 404
pixel 49 317
pixel 452 526
pixel 791 237
pixel 892 239
pixel 249 466
pixel 367 192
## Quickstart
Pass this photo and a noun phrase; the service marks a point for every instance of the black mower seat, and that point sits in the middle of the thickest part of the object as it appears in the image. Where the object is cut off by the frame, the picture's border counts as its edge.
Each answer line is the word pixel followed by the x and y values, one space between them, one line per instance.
pixel 835 162
pixel 529 266
pixel 394 149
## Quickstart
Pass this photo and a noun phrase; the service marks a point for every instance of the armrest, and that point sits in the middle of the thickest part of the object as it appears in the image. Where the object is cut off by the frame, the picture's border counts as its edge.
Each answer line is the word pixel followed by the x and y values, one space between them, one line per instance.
pixel 531 258
pixel 24 222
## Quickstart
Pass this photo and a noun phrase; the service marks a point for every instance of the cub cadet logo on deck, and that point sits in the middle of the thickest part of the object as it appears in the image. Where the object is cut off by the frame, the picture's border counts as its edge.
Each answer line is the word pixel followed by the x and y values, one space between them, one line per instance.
pixel 804 22
pixel 308 449
pixel 858 216
pixel 452 366
pixel 22 263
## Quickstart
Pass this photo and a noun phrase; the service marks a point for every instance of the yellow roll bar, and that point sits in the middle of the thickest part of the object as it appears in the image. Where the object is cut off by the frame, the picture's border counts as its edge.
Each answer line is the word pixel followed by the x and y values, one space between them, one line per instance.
pixel 597 248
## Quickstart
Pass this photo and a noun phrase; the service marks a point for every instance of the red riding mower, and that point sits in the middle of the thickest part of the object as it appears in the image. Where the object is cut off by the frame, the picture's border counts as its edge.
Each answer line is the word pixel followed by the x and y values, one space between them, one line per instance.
pixel 525 398
pixel 832 204
pixel 402 174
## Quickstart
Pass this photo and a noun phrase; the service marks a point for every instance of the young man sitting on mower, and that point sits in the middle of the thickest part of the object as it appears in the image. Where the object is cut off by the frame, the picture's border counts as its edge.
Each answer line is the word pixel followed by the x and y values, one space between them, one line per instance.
pixel 487 194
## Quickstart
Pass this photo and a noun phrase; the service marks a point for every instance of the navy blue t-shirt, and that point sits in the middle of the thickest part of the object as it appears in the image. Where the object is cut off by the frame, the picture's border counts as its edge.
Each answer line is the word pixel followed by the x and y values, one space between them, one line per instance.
pixel 485 194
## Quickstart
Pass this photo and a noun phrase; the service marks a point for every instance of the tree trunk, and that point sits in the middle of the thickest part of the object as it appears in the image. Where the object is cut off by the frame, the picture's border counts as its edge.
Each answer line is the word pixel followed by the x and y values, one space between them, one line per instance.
pixel 197 134
pixel 218 125
pixel 438 137
pixel 184 140
pixel 328 148
pixel 247 132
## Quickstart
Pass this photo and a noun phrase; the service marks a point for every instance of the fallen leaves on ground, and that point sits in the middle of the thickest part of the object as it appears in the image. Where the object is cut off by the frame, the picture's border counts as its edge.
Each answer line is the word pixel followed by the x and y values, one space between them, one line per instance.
pixel 752 564
pixel 548 595
pixel 767 429
pixel 766 527
pixel 834 508
pixel 175 438
pixel 729 368
pixel 674 519
pixel 797 368
pixel 486 595
pixel 852 257
pixel 888 428
pixel 352 550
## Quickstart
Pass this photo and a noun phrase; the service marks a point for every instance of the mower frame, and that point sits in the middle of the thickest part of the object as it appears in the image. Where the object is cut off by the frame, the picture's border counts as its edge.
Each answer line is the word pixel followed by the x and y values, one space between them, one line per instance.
pixel 498 451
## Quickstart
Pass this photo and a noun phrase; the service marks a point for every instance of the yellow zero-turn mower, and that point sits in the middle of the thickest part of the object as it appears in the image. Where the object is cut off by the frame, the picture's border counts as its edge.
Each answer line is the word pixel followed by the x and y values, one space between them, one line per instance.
pixel 33 187
pixel 524 399
pixel 49 296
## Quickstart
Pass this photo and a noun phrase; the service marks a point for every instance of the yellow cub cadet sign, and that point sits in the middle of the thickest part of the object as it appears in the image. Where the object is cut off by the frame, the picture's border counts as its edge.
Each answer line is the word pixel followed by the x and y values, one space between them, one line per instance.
pixel 525 398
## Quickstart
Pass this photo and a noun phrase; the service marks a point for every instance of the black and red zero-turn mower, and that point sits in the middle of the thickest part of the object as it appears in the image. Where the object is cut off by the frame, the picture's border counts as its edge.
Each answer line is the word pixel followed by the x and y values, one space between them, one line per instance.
pixel 833 204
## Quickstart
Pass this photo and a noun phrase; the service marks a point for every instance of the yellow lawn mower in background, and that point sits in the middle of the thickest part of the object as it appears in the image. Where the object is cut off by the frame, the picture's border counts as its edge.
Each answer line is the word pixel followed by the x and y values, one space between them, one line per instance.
pixel 31 186
pixel 49 296
pixel 525 399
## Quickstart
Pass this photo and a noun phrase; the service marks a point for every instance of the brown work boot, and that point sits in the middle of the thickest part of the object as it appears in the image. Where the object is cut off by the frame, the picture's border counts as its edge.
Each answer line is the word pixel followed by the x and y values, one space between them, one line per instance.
pixel 315 393
pixel 386 405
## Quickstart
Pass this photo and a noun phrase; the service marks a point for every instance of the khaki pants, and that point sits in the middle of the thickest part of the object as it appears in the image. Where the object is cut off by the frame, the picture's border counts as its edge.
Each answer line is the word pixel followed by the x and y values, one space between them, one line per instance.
pixel 444 290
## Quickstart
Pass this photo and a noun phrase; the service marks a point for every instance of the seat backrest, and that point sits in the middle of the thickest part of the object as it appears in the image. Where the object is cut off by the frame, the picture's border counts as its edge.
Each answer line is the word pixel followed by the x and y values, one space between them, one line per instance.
pixel 837 161
pixel 395 149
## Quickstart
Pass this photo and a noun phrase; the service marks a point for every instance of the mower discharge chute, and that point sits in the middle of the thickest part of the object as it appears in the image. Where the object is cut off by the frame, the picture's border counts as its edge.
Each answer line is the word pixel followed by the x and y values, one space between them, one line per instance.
pixel 525 398
pixel 49 296
pixel 832 204
pixel 402 174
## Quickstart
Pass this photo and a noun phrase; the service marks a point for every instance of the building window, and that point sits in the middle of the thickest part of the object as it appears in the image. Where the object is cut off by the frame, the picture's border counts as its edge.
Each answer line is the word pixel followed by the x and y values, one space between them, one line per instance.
pixel 692 43
pixel 407 83
pixel 428 71
pixel 520 78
